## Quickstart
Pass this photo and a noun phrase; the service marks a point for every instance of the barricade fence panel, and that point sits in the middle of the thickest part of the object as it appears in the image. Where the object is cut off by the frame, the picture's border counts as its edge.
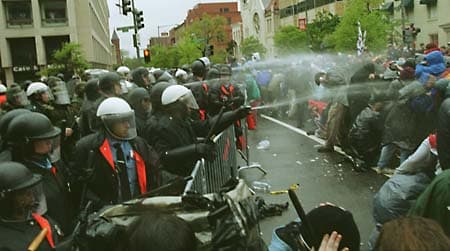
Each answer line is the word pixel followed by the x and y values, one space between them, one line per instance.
pixel 210 176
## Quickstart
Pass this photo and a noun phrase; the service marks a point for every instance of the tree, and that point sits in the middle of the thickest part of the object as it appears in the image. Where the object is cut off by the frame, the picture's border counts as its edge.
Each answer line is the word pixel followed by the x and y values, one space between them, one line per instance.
pixel 373 21
pixel 164 57
pixel 206 31
pixel 188 50
pixel 289 39
pixel 251 45
pixel 68 60
pixel 324 25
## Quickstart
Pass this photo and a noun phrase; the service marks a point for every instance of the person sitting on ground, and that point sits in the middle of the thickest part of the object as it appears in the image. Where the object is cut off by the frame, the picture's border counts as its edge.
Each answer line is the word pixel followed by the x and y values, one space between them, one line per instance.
pixel 412 233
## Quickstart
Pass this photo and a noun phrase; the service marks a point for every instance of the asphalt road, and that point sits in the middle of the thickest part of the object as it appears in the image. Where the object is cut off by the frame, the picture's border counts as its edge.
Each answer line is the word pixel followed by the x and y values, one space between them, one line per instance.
pixel 293 158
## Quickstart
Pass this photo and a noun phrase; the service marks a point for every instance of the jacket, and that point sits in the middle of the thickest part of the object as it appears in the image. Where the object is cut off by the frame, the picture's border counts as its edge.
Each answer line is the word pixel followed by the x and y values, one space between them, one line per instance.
pixel 19 235
pixel 443 134
pixel 435 64
pixel 94 168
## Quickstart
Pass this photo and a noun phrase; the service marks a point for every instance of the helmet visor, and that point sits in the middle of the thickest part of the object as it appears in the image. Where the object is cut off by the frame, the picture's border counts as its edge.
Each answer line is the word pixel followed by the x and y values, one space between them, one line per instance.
pixel 189 100
pixel 39 200
pixel 120 126
pixel 22 99
pixel 60 93
pixel 55 153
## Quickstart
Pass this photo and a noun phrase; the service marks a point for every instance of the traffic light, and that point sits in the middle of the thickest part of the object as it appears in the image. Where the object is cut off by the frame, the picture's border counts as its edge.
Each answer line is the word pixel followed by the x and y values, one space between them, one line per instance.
pixel 139 16
pixel 126 7
pixel 147 56
pixel 211 50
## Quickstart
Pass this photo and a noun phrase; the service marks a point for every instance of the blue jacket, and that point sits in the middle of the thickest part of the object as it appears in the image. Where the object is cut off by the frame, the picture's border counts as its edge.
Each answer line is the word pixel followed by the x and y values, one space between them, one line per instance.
pixel 436 65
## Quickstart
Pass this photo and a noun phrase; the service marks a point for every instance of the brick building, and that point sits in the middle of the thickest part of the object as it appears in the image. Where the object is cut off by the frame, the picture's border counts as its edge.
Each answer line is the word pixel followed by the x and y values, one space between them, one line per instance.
pixel 229 10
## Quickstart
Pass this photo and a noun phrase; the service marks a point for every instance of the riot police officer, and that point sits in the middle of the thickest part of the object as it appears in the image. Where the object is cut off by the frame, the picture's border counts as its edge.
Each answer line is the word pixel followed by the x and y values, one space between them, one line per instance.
pixel 15 98
pixel 174 134
pixel 114 165
pixel 139 99
pixel 22 209
pixel 34 142
pixel 39 95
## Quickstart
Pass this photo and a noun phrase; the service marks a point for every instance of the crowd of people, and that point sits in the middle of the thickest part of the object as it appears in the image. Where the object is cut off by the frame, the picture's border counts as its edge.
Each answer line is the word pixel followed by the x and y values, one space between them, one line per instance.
pixel 104 139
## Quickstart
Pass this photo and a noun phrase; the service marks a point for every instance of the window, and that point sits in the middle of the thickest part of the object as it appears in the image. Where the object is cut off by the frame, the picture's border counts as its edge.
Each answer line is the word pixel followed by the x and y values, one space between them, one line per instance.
pixel 18 13
pixel 53 12
pixel 432 11
pixel 434 38
pixel 226 10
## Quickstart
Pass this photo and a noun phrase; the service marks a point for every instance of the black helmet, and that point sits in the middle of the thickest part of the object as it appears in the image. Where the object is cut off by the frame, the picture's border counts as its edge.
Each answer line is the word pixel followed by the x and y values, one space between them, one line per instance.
pixel 31 126
pixel 15 176
pixel 198 68
pixel 6 119
pixel 225 70
pixel 155 95
pixel 107 81
pixel 165 77
pixel 213 73
pixel 136 96
pixel 16 96
pixel 137 75
pixel 91 90
pixel 158 73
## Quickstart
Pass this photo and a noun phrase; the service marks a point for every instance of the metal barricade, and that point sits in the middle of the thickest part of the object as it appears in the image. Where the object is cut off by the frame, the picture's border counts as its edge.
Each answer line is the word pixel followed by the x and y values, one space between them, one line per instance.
pixel 210 176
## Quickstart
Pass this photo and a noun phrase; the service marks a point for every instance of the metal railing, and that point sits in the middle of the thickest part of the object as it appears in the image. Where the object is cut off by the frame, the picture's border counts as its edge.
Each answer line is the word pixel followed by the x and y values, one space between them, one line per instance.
pixel 210 176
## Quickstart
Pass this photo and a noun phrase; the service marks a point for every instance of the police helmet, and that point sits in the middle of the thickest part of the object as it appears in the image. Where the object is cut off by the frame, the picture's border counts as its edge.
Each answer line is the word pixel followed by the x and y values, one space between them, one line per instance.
pixel 113 111
pixel 198 68
pixel 31 126
pixel 15 176
pixel 6 119
pixel 180 93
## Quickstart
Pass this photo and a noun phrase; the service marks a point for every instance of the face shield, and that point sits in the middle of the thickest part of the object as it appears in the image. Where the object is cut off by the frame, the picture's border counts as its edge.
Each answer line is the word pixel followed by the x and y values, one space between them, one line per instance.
pixel 123 86
pixel 189 100
pixel 39 200
pixel 55 153
pixel 60 93
pixel 21 99
pixel 120 126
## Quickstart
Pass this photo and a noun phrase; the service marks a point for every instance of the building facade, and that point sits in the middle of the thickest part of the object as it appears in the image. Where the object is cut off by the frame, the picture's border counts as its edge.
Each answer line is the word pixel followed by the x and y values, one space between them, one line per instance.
pixel 431 16
pixel 31 30
pixel 115 40
pixel 228 10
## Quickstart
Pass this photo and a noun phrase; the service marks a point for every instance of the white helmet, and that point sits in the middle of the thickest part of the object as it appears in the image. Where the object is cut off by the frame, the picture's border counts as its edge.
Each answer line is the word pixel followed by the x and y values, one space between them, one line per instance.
pixel 2 89
pixel 180 73
pixel 123 70
pixel 36 87
pixel 176 93
pixel 114 111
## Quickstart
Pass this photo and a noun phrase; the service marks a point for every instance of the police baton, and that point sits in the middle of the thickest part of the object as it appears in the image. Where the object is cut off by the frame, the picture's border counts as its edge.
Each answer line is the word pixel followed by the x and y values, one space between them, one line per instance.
pixel 34 245
pixel 301 213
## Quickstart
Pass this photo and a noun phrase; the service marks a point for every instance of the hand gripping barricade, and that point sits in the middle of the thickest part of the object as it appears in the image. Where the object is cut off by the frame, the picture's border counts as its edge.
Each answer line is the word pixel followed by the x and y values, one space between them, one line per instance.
pixel 226 220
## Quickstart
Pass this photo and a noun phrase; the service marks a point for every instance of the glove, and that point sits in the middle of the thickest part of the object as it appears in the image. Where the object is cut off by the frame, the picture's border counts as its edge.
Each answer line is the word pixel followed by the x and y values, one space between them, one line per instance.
pixel 243 111
pixel 206 150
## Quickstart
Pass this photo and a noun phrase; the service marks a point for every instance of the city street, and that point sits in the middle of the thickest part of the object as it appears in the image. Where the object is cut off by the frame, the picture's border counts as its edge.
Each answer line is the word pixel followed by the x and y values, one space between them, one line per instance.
pixel 292 158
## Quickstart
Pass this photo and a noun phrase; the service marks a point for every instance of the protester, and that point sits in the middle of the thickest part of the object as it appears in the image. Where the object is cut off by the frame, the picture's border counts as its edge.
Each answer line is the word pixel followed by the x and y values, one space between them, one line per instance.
pixel 412 233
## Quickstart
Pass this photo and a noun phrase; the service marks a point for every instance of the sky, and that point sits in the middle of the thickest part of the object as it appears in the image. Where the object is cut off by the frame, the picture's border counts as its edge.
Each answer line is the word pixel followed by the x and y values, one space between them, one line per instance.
pixel 167 13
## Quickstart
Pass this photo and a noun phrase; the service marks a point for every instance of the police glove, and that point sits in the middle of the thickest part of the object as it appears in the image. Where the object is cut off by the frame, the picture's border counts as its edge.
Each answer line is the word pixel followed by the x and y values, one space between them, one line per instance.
pixel 206 150
pixel 243 111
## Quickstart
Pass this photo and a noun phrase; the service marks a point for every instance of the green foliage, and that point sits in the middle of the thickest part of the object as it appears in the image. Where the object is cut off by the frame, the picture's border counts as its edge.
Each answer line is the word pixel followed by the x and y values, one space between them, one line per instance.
pixel 251 45
pixel 219 56
pixel 373 21
pixel 207 30
pixel 164 57
pixel 324 24
pixel 289 39
pixel 68 60
pixel 132 63
pixel 188 50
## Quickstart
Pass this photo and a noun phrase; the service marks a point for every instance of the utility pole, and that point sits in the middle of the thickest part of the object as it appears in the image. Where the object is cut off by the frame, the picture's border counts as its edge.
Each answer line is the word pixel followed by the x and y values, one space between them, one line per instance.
pixel 135 30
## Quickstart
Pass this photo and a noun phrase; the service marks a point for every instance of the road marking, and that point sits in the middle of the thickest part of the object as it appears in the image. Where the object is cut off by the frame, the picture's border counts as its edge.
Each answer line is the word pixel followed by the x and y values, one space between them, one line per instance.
pixel 302 132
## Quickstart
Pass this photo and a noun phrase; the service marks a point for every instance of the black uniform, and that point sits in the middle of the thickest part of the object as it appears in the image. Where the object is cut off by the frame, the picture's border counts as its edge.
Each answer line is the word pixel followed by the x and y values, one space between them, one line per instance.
pixel 18 235
pixel 56 190
pixel 93 156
